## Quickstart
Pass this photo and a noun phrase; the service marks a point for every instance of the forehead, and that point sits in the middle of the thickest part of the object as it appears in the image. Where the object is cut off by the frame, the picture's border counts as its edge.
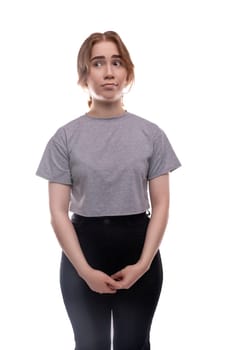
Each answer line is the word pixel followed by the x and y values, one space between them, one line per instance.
pixel 104 48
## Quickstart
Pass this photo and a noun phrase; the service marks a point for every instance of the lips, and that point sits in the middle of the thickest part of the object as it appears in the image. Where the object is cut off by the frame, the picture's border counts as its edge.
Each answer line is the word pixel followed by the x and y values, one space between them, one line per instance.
pixel 109 85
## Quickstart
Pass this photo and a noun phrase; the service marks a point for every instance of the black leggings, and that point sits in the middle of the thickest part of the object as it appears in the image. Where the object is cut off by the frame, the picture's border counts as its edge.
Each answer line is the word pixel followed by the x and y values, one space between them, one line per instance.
pixel 109 244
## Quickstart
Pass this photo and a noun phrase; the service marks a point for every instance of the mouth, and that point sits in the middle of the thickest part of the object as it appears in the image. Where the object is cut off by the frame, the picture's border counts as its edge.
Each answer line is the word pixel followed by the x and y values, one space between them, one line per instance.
pixel 109 85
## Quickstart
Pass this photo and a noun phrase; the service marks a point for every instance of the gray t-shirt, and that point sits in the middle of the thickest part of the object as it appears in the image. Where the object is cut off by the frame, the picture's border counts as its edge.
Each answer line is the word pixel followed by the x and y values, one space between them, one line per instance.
pixel 108 162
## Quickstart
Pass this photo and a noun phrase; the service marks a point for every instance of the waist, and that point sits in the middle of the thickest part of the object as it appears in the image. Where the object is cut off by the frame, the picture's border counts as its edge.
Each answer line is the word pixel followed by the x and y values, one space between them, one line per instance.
pixel 77 218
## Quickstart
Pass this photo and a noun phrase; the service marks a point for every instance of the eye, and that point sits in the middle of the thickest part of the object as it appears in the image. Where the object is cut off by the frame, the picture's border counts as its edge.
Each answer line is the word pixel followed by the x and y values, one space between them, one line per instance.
pixel 98 63
pixel 117 63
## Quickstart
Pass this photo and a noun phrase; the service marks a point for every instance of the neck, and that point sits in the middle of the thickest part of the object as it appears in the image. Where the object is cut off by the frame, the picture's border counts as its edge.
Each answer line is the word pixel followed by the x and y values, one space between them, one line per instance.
pixel 100 108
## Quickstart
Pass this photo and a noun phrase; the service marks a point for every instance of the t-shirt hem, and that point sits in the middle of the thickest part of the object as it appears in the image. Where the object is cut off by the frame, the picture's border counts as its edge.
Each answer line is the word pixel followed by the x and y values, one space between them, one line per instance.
pixel 110 214
pixel 50 179
pixel 164 172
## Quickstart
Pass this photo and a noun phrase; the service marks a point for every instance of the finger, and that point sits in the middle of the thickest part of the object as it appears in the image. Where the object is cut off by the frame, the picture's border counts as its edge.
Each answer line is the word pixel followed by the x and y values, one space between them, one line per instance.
pixel 110 286
pixel 117 276
pixel 113 284
pixel 109 290
pixel 111 280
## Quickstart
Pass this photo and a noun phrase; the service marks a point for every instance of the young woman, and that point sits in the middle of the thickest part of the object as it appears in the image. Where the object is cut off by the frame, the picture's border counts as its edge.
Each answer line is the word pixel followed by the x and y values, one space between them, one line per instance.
pixel 101 167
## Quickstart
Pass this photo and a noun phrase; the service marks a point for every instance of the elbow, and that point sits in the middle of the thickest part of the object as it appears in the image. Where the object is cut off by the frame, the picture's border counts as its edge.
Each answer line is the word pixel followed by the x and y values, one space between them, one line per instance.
pixel 161 209
pixel 56 218
pixel 53 221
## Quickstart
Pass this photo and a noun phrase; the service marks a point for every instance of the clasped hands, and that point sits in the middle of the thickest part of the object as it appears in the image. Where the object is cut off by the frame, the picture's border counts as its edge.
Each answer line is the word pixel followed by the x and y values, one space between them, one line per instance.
pixel 100 282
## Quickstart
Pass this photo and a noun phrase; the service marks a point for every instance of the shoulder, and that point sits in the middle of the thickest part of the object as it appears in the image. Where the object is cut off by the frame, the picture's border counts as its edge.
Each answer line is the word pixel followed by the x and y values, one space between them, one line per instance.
pixel 147 125
pixel 66 131
pixel 72 125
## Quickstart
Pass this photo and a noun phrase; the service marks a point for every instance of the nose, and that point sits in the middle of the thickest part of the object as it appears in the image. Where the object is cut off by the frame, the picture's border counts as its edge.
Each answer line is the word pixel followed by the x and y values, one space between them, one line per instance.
pixel 109 71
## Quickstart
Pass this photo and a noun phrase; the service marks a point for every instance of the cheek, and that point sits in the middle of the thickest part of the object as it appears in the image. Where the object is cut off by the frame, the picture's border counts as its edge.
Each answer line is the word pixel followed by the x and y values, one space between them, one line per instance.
pixel 124 75
pixel 124 80
pixel 91 80
pixel 96 77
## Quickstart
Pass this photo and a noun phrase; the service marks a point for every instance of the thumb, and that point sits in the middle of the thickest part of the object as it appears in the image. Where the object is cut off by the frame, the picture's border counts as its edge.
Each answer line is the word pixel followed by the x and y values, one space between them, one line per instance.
pixel 113 283
pixel 117 276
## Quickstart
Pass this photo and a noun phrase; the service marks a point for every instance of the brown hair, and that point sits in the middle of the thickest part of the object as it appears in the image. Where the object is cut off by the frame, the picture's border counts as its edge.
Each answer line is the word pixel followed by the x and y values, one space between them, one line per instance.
pixel 84 55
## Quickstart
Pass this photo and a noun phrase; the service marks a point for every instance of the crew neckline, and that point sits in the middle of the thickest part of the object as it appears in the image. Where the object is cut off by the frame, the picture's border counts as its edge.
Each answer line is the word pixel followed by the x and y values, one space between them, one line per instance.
pixel 119 116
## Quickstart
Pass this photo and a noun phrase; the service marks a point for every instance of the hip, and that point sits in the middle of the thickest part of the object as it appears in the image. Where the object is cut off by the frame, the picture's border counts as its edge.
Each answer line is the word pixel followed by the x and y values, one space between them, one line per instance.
pixel 111 242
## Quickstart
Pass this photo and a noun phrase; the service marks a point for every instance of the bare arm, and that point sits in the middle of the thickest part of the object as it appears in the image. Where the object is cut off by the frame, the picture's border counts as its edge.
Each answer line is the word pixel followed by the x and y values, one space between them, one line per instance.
pixel 59 199
pixel 159 196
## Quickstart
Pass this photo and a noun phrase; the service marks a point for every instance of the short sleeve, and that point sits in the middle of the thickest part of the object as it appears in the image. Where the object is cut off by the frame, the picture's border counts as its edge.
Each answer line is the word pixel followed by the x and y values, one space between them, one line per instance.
pixel 55 165
pixel 163 158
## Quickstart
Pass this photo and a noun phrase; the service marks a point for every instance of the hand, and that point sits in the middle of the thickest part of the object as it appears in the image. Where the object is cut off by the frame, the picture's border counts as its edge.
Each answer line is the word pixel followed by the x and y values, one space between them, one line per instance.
pixel 100 282
pixel 128 276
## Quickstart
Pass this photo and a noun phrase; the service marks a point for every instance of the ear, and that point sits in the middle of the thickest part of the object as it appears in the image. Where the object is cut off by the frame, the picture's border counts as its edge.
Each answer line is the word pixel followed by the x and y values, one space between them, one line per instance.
pixel 84 85
pixel 127 87
pixel 85 82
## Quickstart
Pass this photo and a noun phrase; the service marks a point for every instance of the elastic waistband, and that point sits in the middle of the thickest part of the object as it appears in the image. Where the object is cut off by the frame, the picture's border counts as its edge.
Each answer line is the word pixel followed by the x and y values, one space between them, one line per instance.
pixel 77 217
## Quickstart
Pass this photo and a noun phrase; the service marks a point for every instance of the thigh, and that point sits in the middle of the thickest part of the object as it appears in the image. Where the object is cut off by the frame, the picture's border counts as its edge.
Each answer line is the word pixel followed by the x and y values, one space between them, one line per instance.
pixel 133 310
pixel 89 312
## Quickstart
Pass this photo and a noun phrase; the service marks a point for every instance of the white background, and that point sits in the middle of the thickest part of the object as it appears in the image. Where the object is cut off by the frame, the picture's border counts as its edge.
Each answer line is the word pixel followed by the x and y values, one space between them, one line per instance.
pixel 183 55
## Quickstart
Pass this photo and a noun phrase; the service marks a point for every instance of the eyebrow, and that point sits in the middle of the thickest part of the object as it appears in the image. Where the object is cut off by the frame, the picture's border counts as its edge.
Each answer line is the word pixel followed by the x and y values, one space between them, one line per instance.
pixel 103 57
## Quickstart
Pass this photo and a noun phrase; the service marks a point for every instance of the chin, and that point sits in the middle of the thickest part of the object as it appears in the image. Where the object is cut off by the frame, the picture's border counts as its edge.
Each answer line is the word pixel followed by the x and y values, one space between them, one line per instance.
pixel 111 98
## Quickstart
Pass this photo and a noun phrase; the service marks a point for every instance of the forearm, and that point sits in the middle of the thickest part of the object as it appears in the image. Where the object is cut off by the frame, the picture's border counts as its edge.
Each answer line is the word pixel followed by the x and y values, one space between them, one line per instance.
pixel 154 235
pixel 69 242
pixel 155 231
